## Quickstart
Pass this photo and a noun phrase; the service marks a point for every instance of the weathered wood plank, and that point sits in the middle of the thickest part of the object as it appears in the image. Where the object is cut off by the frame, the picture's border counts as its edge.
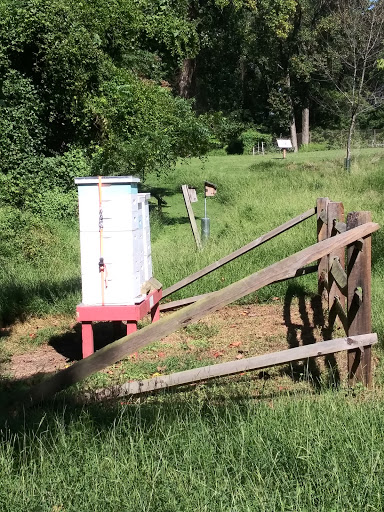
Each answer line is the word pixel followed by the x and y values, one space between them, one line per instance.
pixel 151 285
pixel 191 216
pixel 239 252
pixel 130 344
pixel 322 234
pixel 190 300
pixel 339 274
pixel 205 373
pixel 337 310
pixel 340 227
pixel 359 300
pixel 335 214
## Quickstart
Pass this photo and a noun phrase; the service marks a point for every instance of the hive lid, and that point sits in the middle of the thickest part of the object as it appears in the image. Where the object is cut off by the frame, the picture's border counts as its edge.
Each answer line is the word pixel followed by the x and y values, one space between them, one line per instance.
pixel 94 180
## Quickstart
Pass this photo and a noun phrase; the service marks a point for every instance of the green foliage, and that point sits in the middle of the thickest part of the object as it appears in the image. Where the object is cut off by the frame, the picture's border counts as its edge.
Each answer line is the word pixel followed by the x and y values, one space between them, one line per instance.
pixel 87 76
pixel 24 236
pixel 251 137
pixel 144 128
pixel 21 127
pixel 44 185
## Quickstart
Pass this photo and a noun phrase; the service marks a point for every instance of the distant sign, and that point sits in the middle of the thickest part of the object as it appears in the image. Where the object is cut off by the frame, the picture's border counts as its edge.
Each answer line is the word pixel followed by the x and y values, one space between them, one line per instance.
pixel 284 143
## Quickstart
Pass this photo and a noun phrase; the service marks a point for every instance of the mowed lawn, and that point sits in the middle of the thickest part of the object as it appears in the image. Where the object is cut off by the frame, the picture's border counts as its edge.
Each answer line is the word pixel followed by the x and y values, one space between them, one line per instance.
pixel 215 447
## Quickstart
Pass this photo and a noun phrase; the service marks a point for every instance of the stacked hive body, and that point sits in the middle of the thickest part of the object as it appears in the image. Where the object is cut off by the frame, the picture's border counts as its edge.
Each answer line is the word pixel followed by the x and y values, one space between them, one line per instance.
pixel 114 240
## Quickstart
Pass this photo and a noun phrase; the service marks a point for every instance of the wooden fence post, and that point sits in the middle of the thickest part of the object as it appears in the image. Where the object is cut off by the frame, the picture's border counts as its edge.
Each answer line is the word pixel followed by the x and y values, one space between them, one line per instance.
pixel 322 234
pixel 359 300
pixel 191 216
pixel 337 279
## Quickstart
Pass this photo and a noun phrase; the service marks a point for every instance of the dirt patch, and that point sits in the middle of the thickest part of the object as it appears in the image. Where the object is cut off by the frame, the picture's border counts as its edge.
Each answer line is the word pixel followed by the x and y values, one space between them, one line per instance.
pixel 234 332
pixel 42 360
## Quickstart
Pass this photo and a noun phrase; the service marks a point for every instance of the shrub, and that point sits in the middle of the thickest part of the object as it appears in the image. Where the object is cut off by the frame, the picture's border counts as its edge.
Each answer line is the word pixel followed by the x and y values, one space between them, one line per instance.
pixel 252 137
pixel 45 185
pixel 24 236
pixel 21 131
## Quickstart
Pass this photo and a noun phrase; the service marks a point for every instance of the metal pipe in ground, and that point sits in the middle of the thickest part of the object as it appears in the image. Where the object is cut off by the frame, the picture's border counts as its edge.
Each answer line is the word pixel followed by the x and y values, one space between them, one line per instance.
pixel 347 164
pixel 205 229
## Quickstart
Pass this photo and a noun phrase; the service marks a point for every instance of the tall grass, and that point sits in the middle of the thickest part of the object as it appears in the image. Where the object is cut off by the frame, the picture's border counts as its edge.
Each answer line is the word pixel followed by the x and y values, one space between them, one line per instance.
pixel 40 260
pixel 255 194
pixel 208 449
pixel 293 453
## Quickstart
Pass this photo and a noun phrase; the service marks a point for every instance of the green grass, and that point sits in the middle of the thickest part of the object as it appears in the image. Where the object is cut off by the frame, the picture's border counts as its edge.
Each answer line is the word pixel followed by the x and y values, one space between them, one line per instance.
pixel 184 453
pixel 40 267
pixel 256 194
pixel 234 445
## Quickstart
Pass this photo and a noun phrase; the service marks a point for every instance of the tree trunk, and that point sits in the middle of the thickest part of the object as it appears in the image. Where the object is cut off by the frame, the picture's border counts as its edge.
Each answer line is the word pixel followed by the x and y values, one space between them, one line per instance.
pixel 186 80
pixel 350 135
pixel 294 133
pixel 293 121
pixel 305 126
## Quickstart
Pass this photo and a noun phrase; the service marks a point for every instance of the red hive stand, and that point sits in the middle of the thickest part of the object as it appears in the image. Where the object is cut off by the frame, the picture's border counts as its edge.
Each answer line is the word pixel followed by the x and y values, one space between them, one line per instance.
pixel 131 314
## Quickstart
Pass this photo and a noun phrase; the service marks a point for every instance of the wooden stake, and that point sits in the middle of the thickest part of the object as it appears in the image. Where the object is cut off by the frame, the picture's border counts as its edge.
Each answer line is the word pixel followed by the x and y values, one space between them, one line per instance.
pixel 335 213
pixel 359 300
pixel 191 216
pixel 322 234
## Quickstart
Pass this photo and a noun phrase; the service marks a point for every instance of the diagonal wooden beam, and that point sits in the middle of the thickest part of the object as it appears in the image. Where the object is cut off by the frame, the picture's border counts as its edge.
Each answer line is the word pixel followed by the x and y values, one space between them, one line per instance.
pixel 239 252
pixel 213 371
pixel 190 300
pixel 129 344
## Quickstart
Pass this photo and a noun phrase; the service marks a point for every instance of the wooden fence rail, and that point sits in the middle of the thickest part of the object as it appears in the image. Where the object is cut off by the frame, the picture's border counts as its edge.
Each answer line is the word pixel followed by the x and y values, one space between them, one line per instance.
pixel 205 373
pixel 129 344
pixel 304 271
pixel 239 252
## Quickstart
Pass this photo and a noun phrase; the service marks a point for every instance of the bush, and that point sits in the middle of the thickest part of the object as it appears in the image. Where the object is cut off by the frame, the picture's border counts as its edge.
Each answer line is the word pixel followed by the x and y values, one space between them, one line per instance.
pixel 145 128
pixel 21 131
pixel 24 235
pixel 45 185
pixel 252 137
pixel 224 130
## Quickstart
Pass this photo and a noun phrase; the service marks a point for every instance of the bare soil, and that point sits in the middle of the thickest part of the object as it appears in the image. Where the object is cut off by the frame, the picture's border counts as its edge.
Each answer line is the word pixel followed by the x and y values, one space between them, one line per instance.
pixel 233 332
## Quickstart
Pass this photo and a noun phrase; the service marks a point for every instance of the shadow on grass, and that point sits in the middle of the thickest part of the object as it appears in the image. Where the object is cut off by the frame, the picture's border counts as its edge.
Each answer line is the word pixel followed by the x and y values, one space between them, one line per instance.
pixel 172 404
pixel 298 332
pixel 69 344
pixel 305 332
pixel 17 300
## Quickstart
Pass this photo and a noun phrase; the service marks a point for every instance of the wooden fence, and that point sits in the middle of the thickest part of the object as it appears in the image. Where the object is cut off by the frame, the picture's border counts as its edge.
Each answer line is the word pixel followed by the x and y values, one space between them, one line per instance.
pixel 345 282
pixel 337 284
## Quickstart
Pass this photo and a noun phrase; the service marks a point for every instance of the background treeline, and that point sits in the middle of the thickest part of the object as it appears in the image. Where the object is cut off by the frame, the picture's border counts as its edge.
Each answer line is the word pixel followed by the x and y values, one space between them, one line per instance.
pixel 129 86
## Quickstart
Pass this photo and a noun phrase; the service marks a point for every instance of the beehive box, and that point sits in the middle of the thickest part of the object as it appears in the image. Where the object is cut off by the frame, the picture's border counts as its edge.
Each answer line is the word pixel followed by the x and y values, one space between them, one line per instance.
pixel 114 226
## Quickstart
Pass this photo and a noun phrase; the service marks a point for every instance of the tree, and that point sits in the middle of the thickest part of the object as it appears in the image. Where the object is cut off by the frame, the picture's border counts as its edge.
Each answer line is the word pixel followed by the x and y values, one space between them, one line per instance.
pixel 78 63
pixel 353 40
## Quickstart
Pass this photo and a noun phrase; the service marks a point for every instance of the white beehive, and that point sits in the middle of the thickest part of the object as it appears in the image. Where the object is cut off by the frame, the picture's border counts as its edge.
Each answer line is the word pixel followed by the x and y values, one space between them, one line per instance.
pixel 114 226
